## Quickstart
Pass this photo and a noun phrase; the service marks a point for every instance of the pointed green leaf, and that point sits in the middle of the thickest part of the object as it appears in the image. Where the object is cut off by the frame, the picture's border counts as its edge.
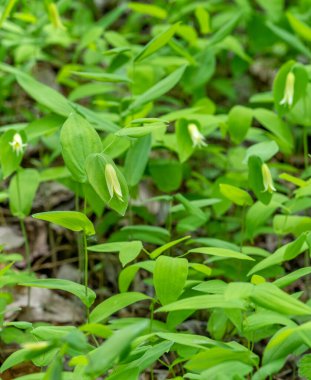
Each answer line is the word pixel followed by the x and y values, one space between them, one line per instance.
pixel 73 220
pixel 22 191
pixel 202 303
pixel 274 124
pixel 184 142
pixel 271 297
pixel 136 160
pixel 101 77
pixel 158 251
pixel 115 303
pixel 292 277
pixel 157 42
pixel 103 357
pixel 236 195
pixel 158 89
pixel 96 172
pixel 9 158
pixel 169 278
pixel 68 286
pixel 221 252
pixel 239 122
pixel 78 139
pixel 128 251
pixel 148 9
pixel 44 95
pixel 256 181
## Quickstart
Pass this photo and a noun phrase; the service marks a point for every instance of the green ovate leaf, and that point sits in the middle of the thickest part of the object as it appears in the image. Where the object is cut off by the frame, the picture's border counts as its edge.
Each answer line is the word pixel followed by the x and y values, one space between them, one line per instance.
pixel 104 356
pixel 95 167
pixel 73 220
pixel 202 303
pixel 225 29
pixel 158 251
pixel 148 9
pixel 78 139
pixel 304 366
pixel 158 89
pixel 167 174
pixel 101 77
pixel 10 159
pixel 236 195
pixel 279 85
pixel 157 42
pixel 221 252
pixel 169 278
pixel 22 191
pixel 278 128
pixel 256 180
pixel 136 160
pixel 184 142
pixel 301 28
pixel 271 297
pixel 113 304
pixel 87 297
pixel 128 251
pixel 239 122
pixel 44 95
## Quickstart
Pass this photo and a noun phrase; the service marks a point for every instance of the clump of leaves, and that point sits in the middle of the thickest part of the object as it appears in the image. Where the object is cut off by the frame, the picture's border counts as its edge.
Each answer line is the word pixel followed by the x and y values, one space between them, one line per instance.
pixel 187 157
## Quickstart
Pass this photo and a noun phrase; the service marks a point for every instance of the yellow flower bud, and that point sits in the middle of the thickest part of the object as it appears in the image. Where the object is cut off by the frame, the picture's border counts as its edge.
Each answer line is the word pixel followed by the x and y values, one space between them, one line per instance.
pixel 113 183
pixel 198 140
pixel 54 16
pixel 288 97
pixel 17 144
pixel 267 179
pixel 35 345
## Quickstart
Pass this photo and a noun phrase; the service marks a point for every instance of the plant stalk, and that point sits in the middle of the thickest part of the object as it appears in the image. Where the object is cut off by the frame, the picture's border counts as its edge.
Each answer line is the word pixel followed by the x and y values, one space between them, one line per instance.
pixel 86 270
pixel 305 146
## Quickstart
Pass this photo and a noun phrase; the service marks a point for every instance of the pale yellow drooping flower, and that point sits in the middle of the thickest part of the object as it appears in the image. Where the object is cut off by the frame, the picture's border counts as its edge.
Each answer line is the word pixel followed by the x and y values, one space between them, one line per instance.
pixel 54 16
pixel 35 346
pixel 198 140
pixel 17 144
pixel 288 97
pixel 113 183
pixel 267 179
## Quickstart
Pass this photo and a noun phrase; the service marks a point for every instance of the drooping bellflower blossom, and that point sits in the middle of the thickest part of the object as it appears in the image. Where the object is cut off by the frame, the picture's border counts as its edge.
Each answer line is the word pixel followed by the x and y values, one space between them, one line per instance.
pixel 198 140
pixel 113 183
pixel 17 144
pixel 288 97
pixel 267 179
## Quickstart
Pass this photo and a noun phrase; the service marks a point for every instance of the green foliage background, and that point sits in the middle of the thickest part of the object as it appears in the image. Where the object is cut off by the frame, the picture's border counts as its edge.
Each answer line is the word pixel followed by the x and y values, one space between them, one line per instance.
pixel 182 131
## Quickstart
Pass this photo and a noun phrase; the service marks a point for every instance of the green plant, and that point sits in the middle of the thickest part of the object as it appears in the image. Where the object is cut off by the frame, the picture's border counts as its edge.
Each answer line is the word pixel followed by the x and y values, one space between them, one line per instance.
pixel 181 130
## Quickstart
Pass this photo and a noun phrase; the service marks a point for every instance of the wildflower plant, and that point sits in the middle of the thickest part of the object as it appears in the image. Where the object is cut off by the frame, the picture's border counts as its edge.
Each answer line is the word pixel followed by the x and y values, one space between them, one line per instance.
pixel 162 120
pixel 17 144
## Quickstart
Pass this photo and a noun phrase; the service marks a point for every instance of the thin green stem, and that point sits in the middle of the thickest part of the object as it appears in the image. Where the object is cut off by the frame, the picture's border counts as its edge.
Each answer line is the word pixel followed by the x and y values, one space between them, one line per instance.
pixel 53 250
pixel 86 270
pixel 151 316
pixel 169 221
pixel 23 227
pixel 27 247
pixel 27 255
pixel 84 205
pixel 243 215
pixel 150 330
pixel 79 239
pixel 305 146
pixel 25 236
pixel 307 264
pixel 86 262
